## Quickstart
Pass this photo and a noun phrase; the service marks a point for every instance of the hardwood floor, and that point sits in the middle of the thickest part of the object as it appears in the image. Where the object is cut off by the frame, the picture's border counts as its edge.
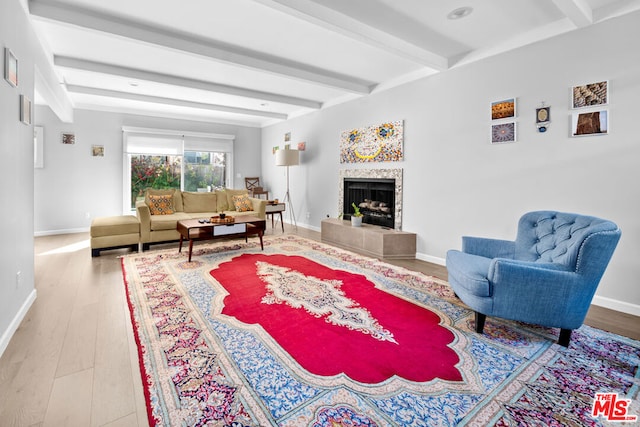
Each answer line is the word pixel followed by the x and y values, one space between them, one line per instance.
pixel 73 360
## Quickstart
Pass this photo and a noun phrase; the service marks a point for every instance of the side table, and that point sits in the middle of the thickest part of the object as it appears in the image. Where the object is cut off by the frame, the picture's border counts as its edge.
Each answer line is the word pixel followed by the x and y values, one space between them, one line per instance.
pixel 275 208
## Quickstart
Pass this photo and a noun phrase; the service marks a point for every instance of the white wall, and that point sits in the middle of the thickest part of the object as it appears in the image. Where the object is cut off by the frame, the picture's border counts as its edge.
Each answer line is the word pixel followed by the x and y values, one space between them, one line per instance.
pixel 457 183
pixel 16 185
pixel 74 183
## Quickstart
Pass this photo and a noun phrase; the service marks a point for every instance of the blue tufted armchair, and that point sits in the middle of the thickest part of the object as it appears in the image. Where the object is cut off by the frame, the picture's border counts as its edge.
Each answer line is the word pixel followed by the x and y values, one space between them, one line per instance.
pixel 547 276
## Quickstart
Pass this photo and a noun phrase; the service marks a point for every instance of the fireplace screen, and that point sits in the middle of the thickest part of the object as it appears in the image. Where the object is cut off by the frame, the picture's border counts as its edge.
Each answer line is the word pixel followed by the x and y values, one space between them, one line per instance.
pixel 375 197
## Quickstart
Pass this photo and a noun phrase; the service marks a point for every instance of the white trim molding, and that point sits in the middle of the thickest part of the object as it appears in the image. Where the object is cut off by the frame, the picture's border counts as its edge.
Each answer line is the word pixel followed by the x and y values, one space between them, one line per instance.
pixel 15 323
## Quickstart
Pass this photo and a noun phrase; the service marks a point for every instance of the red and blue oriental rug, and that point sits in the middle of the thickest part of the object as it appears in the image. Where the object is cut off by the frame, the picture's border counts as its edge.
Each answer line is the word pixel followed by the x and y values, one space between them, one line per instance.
pixel 305 334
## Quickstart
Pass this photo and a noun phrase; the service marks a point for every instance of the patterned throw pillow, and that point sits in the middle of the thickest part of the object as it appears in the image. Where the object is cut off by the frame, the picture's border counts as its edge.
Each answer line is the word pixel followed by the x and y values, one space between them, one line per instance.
pixel 242 203
pixel 161 205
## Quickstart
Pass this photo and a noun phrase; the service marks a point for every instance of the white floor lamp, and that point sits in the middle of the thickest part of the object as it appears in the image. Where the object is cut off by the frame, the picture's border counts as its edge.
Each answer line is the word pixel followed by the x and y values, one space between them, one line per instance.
pixel 288 158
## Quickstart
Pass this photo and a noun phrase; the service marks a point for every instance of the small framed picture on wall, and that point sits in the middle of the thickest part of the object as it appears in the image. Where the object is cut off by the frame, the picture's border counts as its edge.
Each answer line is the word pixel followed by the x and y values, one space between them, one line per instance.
pixel 97 150
pixel 505 109
pixel 503 133
pixel 68 138
pixel 590 95
pixel 25 110
pixel 10 67
pixel 591 123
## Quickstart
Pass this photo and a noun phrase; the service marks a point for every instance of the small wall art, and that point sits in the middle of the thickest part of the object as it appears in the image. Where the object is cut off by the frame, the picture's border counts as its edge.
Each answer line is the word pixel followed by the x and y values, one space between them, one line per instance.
pixel 97 150
pixel 503 133
pixel 25 110
pixel 287 137
pixel 379 143
pixel 302 146
pixel 10 67
pixel 591 123
pixel 504 109
pixel 543 118
pixel 590 94
pixel 274 149
pixel 68 138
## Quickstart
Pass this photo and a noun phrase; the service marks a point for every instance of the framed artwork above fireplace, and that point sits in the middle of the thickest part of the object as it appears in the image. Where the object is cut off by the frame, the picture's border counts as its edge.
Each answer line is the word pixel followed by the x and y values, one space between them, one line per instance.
pixel 379 143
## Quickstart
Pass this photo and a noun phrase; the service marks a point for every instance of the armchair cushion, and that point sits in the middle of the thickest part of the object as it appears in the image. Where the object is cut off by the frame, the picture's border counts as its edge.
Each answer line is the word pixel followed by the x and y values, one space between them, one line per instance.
pixel 471 271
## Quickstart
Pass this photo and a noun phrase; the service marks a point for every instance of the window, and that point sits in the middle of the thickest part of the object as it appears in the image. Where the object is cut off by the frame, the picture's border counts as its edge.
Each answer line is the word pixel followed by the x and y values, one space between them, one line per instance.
pixel 204 170
pixel 153 172
pixel 164 159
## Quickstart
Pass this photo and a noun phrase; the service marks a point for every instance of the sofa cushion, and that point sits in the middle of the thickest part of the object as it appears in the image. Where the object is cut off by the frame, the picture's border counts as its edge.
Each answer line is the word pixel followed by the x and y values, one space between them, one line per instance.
pixel 114 225
pixel 199 202
pixel 221 200
pixel 242 203
pixel 167 222
pixel 161 204
pixel 175 192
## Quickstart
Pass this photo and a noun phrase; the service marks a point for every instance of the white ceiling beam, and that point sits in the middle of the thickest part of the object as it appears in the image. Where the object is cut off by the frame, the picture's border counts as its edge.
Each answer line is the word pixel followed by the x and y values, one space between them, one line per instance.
pixel 614 9
pixel 172 101
pixel 133 73
pixel 178 41
pixel 338 22
pixel 256 123
pixel 578 11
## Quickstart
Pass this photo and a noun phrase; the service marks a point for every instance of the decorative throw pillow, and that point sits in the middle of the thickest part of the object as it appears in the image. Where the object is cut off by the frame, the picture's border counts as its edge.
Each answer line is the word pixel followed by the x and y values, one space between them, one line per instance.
pixel 161 205
pixel 231 192
pixel 175 192
pixel 242 203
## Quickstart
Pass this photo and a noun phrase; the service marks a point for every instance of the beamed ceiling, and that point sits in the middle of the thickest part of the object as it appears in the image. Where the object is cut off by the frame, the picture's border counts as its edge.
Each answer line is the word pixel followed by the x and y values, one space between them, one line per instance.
pixel 257 62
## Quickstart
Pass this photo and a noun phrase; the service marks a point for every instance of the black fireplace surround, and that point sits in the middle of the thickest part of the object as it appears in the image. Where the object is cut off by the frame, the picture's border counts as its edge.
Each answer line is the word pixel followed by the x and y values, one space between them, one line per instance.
pixel 374 196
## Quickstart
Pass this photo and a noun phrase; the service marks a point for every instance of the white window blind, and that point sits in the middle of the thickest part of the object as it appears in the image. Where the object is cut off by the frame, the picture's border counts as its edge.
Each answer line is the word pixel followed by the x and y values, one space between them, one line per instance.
pixel 173 142
pixel 136 143
pixel 193 143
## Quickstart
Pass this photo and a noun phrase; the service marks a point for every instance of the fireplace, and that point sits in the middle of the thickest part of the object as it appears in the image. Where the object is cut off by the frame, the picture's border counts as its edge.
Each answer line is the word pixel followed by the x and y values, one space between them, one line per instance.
pixel 378 192
pixel 374 196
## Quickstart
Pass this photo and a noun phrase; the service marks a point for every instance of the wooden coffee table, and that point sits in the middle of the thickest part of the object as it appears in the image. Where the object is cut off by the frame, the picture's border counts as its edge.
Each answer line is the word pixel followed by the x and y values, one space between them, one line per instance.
pixel 195 229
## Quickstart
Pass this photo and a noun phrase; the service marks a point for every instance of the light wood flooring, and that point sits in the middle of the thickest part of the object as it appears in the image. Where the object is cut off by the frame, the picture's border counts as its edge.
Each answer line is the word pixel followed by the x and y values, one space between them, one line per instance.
pixel 73 360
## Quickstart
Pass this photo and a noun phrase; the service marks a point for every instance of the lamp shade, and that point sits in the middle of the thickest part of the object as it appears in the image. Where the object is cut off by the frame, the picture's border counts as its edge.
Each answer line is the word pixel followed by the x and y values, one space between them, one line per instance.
pixel 287 157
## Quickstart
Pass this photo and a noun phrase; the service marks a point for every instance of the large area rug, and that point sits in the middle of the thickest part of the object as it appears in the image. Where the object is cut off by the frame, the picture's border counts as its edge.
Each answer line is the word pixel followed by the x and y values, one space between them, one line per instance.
pixel 304 334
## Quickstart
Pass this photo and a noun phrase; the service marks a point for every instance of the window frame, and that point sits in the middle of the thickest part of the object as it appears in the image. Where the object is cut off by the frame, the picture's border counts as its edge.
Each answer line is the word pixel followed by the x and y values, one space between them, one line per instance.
pixel 191 141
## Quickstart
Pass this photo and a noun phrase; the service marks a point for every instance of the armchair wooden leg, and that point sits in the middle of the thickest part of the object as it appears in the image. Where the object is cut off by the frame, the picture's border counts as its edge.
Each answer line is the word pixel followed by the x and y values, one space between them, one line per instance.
pixel 480 318
pixel 565 337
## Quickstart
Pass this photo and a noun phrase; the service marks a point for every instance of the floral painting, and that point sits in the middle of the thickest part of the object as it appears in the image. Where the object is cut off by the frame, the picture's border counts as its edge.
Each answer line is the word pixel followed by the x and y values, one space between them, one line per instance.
pixel 379 143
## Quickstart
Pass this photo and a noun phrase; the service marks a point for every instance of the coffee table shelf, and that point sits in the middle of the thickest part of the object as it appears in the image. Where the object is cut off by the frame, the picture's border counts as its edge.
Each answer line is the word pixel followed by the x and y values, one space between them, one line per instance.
pixel 244 226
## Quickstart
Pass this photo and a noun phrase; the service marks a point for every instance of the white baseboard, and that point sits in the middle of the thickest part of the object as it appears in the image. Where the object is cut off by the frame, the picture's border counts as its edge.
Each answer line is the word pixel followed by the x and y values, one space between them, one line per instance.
pixel 431 259
pixel 15 323
pixel 56 232
pixel 616 305
pixel 302 225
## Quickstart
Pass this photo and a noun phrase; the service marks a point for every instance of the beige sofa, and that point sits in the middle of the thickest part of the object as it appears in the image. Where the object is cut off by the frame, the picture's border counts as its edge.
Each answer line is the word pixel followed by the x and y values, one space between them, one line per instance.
pixel 188 205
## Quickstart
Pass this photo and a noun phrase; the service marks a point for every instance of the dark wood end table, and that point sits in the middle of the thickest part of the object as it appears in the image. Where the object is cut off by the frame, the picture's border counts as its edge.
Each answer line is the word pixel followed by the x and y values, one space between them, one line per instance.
pixel 275 208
